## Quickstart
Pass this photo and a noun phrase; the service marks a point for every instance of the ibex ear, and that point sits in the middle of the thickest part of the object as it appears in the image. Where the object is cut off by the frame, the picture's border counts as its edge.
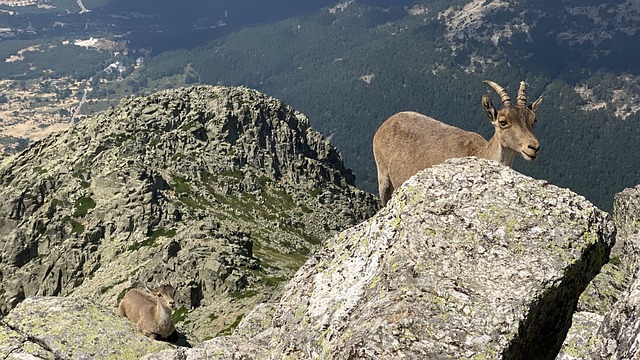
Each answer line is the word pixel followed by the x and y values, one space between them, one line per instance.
pixel 535 104
pixel 488 108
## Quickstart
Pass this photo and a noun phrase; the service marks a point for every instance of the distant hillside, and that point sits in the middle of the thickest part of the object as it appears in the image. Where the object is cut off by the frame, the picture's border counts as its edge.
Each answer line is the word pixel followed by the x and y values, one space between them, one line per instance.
pixel 349 66
pixel 222 191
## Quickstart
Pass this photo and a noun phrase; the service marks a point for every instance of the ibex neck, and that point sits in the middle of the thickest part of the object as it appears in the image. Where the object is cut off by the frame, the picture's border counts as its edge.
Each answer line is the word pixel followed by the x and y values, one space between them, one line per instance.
pixel 163 314
pixel 495 151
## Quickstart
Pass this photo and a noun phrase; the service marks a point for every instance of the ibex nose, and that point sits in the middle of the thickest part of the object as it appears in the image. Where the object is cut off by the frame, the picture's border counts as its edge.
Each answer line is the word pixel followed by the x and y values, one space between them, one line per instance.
pixel 535 147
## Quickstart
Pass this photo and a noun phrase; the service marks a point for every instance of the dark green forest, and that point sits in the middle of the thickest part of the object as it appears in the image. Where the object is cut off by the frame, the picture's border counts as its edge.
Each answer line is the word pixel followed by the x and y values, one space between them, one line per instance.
pixel 315 63
pixel 317 60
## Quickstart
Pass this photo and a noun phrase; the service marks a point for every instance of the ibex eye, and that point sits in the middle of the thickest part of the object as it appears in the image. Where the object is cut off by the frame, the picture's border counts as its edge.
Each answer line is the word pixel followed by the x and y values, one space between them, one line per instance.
pixel 503 123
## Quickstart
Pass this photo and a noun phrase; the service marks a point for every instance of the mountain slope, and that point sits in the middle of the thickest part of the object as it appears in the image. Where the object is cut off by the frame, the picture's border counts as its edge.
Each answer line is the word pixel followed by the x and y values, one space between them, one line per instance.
pixel 222 191
pixel 351 66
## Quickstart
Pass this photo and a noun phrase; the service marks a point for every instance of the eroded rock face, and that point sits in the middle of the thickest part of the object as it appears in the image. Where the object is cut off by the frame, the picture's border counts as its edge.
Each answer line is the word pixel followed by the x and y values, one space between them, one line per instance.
pixel 221 191
pixel 602 297
pixel 618 336
pixel 470 259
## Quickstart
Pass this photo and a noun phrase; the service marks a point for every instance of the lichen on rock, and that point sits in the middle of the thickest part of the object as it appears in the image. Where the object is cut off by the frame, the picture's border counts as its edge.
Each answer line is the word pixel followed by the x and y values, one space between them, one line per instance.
pixel 59 328
pixel 469 260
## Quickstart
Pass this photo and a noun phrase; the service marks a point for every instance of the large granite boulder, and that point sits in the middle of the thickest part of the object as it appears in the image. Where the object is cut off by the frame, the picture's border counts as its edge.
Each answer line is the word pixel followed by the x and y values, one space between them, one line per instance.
pixel 59 328
pixel 618 336
pixel 470 259
pixel 590 335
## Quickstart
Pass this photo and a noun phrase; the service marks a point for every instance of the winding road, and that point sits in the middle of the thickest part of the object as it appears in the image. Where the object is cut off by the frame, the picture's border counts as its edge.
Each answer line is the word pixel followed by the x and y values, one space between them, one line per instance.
pixel 82 8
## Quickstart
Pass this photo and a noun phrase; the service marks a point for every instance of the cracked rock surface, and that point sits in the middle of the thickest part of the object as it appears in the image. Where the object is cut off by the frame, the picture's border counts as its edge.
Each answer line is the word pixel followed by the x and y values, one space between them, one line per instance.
pixel 470 259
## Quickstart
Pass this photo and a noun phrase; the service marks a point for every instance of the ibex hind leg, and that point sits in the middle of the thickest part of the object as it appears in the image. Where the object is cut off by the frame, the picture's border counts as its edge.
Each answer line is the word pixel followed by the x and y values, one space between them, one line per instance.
pixel 385 190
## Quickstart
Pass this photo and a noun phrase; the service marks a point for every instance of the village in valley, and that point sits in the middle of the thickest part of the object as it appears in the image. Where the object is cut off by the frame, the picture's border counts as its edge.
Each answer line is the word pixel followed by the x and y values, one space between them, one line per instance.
pixel 45 93
pixel 31 109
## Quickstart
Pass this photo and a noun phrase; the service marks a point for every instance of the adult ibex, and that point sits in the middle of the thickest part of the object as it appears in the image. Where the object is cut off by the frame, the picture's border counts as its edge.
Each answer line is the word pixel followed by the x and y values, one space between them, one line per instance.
pixel 408 142
pixel 150 310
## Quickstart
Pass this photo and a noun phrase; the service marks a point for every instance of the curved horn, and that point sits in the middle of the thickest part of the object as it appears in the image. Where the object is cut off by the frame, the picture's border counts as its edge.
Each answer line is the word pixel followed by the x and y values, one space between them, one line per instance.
pixel 504 97
pixel 522 94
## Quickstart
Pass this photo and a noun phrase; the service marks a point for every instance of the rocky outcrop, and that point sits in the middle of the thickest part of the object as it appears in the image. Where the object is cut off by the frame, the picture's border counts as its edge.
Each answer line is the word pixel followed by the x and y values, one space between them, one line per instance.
pixel 226 192
pixel 469 260
pixel 221 191
pixel 618 335
pixel 602 297
pixel 59 328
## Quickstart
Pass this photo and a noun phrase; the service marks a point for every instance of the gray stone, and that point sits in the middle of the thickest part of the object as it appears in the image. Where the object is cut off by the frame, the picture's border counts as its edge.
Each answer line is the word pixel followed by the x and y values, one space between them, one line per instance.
pixel 602 296
pixel 469 260
pixel 59 328
pixel 617 337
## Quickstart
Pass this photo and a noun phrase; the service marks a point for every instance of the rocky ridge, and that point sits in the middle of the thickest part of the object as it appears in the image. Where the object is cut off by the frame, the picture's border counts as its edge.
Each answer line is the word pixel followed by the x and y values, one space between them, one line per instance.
pixel 221 191
pixel 470 258
pixel 493 21
pixel 522 26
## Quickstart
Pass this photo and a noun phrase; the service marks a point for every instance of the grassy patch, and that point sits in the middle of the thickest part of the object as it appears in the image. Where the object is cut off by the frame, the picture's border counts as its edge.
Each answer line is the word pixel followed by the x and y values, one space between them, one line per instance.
pixel 162 233
pixel 104 289
pixel 53 207
pixel 82 206
pixel 179 315
pixel 273 280
pixel 151 241
pixel 139 244
pixel 315 192
pixel 180 185
pixel 238 295
pixel 228 330
pixel 76 227
pixel 264 180
pixel 199 202
pixel 40 227
pixel 233 174
pixel 615 260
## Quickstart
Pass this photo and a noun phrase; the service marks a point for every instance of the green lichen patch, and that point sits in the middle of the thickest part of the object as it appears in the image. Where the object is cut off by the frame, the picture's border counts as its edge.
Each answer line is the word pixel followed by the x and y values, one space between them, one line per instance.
pixel 77 328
